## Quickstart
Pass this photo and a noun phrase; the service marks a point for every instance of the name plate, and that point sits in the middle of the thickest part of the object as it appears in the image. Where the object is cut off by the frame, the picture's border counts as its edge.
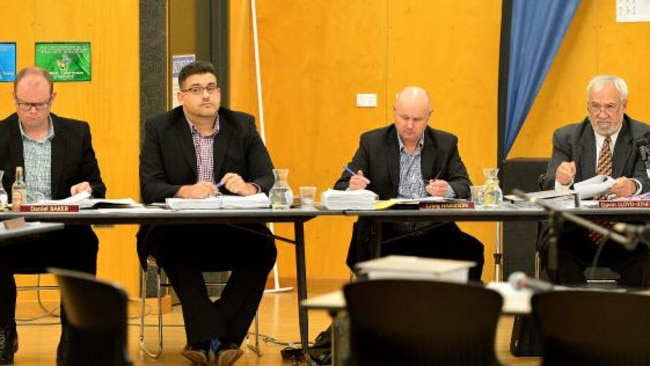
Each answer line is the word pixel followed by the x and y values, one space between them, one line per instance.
pixel 48 208
pixel 624 203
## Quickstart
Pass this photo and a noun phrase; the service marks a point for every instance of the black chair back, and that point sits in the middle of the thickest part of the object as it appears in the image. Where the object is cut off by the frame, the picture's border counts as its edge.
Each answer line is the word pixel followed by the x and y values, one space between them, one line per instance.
pixel 417 322
pixel 97 317
pixel 593 327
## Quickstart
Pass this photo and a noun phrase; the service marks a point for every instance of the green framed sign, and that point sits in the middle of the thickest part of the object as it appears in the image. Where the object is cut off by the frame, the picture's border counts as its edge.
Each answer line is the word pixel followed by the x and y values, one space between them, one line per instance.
pixel 66 61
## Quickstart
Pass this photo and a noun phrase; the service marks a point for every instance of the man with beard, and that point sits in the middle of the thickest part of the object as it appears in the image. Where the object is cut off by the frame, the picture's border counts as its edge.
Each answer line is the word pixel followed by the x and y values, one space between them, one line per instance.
pixel 603 143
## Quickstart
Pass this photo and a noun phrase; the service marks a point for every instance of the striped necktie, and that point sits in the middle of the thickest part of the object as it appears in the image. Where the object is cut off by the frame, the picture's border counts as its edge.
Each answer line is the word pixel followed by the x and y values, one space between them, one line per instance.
pixel 604 168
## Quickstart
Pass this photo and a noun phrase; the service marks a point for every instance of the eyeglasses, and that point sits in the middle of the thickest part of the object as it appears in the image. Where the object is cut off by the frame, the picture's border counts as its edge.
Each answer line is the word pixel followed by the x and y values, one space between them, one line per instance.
pixel 610 108
pixel 25 106
pixel 198 90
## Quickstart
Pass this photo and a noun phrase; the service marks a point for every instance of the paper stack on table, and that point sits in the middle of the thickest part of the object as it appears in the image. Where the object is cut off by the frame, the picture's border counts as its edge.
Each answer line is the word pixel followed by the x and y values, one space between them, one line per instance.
pixel 259 200
pixel 360 199
pixel 408 267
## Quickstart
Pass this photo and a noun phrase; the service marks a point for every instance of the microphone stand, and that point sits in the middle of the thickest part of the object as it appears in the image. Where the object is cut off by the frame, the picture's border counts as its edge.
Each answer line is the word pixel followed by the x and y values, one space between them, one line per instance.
pixel 557 215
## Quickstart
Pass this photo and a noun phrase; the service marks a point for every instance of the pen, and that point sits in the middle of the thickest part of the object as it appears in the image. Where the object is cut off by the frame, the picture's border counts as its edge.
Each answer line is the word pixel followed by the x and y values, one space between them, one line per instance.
pixel 427 181
pixel 349 170
pixel 220 184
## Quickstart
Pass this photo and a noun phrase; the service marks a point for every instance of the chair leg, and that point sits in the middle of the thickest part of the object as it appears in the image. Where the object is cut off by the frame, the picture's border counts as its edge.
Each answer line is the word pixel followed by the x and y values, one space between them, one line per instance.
pixel 38 288
pixel 255 347
pixel 143 346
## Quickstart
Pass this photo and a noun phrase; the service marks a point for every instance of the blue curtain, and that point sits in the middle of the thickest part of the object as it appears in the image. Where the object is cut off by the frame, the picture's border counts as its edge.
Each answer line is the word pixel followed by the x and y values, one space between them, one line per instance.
pixel 536 33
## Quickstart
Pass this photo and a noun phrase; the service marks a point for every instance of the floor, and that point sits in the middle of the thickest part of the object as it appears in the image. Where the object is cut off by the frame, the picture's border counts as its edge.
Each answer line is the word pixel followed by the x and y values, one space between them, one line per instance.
pixel 278 329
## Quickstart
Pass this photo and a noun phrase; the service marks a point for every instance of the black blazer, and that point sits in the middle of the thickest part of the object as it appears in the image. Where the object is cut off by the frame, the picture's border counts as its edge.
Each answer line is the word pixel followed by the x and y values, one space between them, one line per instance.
pixel 576 142
pixel 73 157
pixel 378 156
pixel 168 160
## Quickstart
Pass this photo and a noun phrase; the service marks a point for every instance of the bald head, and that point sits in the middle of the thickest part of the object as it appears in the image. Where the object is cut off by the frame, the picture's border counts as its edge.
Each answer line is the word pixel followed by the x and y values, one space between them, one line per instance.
pixel 412 96
pixel 412 110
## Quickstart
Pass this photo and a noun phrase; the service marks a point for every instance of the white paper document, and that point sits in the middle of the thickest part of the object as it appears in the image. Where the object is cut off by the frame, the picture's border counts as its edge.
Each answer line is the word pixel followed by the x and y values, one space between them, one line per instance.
pixel 259 200
pixel 85 201
pixel 409 267
pixel 592 187
pixel 360 199
pixel 72 200
pixel 109 203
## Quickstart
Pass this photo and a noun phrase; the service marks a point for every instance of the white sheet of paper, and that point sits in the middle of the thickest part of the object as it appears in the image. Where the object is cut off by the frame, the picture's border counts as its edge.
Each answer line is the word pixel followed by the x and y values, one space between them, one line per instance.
pixel 592 187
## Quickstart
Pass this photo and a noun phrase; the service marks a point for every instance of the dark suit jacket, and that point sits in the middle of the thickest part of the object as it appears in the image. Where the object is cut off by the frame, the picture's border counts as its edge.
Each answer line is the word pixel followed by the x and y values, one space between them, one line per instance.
pixel 73 157
pixel 168 160
pixel 378 156
pixel 576 142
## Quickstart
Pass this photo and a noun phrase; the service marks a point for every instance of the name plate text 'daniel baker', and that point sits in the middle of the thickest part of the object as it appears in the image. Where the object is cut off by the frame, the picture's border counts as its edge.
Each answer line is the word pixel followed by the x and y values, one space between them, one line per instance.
pixel 48 208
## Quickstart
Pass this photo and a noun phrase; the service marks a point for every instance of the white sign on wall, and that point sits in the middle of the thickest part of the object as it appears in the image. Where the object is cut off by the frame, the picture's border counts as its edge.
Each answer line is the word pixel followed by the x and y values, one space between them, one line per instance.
pixel 632 11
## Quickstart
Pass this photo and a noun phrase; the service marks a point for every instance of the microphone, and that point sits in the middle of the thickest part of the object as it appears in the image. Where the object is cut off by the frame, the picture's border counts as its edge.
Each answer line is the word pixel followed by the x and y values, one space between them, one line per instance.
pixel 519 280
pixel 637 233
pixel 642 143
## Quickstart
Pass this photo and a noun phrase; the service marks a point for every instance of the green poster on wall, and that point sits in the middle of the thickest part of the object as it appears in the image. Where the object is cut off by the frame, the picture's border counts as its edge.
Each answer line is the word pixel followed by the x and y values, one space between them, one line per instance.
pixel 66 61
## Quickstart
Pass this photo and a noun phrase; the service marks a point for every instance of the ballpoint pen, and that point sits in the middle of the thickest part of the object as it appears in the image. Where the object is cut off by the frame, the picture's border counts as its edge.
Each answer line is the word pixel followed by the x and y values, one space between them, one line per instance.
pixel 217 193
pixel 427 181
pixel 349 170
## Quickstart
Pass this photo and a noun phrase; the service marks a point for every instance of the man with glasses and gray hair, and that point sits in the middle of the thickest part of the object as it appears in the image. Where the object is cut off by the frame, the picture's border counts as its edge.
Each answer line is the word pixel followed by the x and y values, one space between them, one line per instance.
pixel 58 160
pixel 605 142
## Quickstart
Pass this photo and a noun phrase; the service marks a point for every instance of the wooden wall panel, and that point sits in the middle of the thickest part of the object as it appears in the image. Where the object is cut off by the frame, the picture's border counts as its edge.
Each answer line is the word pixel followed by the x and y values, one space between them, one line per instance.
pixel 109 102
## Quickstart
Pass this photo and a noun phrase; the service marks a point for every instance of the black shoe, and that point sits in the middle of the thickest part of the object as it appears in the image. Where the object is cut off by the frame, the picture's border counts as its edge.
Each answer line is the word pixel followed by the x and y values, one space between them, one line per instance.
pixel 61 359
pixel 8 344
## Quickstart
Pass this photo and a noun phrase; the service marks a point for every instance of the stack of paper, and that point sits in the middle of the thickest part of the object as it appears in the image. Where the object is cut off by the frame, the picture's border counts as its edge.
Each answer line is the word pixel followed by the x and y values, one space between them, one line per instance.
pixel 108 203
pixel 562 198
pixel 259 200
pixel 407 267
pixel 360 199
pixel 193 203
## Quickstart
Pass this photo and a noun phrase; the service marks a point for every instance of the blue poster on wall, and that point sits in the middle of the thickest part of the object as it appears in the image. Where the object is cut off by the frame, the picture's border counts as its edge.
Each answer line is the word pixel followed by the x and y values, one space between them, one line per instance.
pixel 7 61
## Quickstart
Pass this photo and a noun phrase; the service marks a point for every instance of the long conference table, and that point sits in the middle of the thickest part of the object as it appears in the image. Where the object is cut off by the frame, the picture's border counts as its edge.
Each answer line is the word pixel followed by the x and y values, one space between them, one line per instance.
pixel 299 216
pixel 231 217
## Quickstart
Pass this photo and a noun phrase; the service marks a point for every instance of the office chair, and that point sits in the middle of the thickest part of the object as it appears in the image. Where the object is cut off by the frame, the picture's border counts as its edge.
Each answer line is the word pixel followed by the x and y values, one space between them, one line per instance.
pixel 163 286
pixel 38 287
pixel 593 327
pixel 97 313
pixel 419 322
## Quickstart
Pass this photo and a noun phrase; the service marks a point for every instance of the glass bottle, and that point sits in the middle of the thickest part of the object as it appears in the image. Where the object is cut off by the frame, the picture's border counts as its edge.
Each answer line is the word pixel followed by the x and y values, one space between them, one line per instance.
pixel 18 190
pixel 491 193
pixel 4 197
pixel 281 195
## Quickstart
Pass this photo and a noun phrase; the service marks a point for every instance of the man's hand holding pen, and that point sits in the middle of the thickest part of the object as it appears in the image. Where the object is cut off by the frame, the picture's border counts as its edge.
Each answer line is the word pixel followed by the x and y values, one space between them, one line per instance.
pixel 357 180
pixel 436 187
